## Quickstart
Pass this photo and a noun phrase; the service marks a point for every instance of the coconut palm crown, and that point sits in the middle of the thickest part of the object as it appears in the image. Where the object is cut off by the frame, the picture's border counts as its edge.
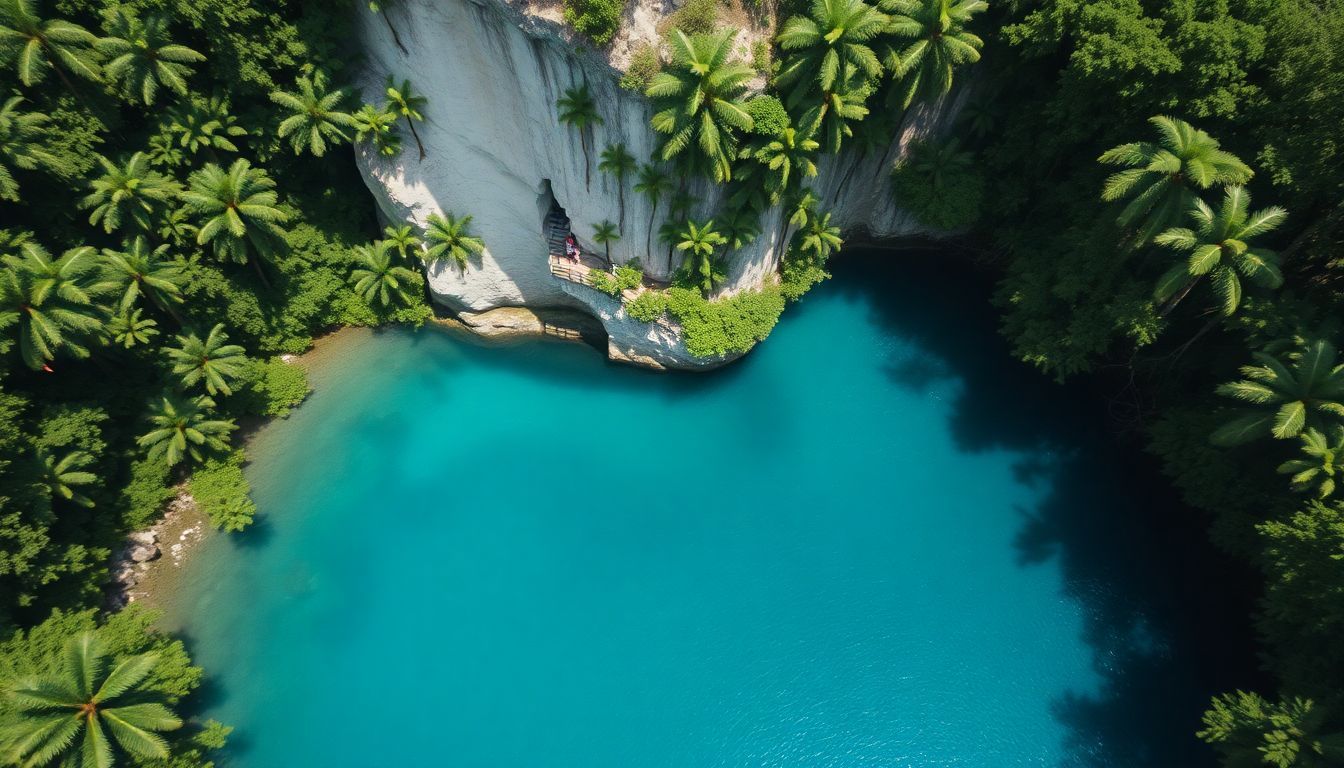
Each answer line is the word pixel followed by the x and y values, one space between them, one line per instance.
pixel 1285 399
pixel 699 102
pixel 1162 178
pixel 88 711
pixel 1219 249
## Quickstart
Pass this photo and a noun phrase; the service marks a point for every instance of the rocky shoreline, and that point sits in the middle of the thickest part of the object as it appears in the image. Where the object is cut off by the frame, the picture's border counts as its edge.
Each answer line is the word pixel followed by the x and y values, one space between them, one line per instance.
pixel 146 554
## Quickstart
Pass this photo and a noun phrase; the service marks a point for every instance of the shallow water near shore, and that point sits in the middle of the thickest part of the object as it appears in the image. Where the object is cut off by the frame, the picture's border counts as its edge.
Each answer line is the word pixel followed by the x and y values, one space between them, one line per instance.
pixel 876 541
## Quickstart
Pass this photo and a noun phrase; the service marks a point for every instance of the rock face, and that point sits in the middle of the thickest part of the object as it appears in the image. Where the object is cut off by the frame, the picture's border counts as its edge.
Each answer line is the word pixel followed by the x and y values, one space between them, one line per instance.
pixel 495 149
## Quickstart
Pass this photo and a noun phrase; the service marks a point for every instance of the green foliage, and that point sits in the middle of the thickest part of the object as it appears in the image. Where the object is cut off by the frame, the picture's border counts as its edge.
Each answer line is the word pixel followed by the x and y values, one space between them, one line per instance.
pixel 698 98
pixel 626 278
pixel 450 238
pixel 647 306
pixel 1283 399
pixel 697 17
pixel 147 490
pixel 598 19
pixel 768 116
pixel 221 491
pixel 728 325
pixel 1248 730
pixel 90 708
pixel 797 276
pixel 271 387
pixel 941 184
pixel 1321 461
pixel 644 64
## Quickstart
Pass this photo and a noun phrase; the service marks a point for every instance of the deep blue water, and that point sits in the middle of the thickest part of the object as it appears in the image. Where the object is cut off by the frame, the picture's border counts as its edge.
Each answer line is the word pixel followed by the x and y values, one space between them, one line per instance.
pixel 876 541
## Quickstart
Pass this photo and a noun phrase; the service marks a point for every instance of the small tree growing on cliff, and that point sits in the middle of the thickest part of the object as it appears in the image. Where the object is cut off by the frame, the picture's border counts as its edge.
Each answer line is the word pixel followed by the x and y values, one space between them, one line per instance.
pixel 700 241
pixel 405 102
pixel 653 184
pixel 452 239
pixel 605 233
pixel 618 162
pixel 579 111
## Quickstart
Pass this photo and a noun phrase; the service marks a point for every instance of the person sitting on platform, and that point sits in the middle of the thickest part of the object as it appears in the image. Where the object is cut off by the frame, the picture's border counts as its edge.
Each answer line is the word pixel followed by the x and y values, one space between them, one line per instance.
pixel 572 248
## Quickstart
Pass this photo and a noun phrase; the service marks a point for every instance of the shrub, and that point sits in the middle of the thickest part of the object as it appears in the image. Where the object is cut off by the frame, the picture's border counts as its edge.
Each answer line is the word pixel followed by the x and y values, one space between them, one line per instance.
pixel 768 116
pixel 644 64
pixel 604 282
pixel 629 277
pixel 798 275
pixel 145 493
pixel 940 185
pixel 647 306
pixel 760 55
pixel 625 279
pixel 598 19
pixel 272 387
pixel 221 490
pixel 728 325
pixel 697 17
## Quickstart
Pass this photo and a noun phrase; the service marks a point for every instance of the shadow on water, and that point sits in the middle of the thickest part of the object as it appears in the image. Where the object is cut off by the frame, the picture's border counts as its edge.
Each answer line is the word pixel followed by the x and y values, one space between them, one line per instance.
pixel 1165 615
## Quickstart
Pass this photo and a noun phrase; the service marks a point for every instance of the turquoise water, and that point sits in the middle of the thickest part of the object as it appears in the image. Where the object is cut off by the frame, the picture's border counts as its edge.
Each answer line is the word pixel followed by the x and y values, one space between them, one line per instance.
pixel 874 542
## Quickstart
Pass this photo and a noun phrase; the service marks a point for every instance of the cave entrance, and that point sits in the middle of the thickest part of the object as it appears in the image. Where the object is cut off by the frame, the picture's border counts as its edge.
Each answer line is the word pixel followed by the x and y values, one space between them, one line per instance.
pixel 556 227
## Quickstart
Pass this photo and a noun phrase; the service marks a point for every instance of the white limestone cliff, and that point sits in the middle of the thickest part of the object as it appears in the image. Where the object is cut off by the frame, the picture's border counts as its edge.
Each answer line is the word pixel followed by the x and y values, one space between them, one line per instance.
pixel 495 149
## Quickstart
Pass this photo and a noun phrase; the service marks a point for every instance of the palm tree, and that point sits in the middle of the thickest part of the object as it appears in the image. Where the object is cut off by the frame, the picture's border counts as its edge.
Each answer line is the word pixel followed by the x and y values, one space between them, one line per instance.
pixel 403 101
pixel 700 241
pixel 68 716
pixel 1322 460
pixel 832 116
pixel 653 183
pixel 38 44
pixel 1307 392
pixel 379 7
pixel 128 328
pixel 605 233
pixel 378 126
pixel 699 101
pixel 829 46
pixel 181 429
pixel 579 111
pixel 403 240
pixel 788 158
pixel 1162 178
pixel 819 239
pixel 739 228
pixel 797 211
pixel 47 303
pixel 452 239
pixel 147 272
pixel 315 117
pixel 204 126
pixel 212 361
pixel 20 134
pixel 618 162
pixel 237 212
pixel 928 42
pixel 62 475
pixel 132 194
pixel 377 279
pixel 1218 248
pixel 141 56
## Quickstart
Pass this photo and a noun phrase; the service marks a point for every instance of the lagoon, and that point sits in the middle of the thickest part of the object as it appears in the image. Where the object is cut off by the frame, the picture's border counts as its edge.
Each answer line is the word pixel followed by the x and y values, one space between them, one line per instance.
pixel 876 541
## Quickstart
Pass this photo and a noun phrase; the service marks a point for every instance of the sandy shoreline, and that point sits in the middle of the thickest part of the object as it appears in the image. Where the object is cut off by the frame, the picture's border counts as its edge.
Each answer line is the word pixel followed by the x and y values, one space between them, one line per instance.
pixel 184 529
